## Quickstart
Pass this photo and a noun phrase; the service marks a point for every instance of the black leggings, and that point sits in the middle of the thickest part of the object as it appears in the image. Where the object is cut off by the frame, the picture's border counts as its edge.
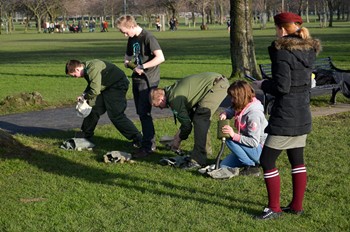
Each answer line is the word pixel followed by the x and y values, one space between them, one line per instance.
pixel 269 156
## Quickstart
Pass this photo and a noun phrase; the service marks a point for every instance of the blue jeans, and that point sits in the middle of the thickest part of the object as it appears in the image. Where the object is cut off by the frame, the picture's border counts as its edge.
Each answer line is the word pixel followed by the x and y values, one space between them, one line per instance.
pixel 241 155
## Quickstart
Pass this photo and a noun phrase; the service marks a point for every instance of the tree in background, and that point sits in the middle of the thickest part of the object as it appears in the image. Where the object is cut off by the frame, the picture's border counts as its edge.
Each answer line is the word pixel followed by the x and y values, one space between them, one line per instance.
pixel 7 9
pixel 39 9
pixel 339 7
pixel 203 7
pixel 221 5
pixel 241 37
pixel 149 9
pixel 212 11
pixel 192 6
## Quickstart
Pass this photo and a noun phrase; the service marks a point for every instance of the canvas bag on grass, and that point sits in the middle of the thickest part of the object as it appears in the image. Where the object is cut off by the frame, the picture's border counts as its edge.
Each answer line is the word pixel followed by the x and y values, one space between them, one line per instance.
pixel 78 144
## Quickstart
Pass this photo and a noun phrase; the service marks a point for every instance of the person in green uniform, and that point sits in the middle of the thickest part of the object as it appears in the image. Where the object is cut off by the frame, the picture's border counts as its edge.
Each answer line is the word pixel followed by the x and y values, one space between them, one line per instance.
pixel 193 100
pixel 105 92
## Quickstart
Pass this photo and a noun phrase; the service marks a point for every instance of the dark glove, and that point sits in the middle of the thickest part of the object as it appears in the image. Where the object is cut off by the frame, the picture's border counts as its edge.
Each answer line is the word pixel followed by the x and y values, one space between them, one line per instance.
pixel 131 65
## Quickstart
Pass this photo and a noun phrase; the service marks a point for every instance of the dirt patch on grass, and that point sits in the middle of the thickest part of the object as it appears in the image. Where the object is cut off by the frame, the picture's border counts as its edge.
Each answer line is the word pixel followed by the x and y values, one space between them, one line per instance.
pixel 10 147
pixel 22 100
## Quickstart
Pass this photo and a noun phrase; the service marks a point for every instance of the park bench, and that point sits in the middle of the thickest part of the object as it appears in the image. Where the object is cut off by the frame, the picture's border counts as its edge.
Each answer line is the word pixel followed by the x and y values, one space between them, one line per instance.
pixel 323 67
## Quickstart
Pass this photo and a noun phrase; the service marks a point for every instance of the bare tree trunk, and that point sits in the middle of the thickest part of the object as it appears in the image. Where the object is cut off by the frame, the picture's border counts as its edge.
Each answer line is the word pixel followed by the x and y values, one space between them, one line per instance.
pixel 338 10
pixel 1 21
pixel 330 7
pixel 241 35
pixel 307 11
pixel 38 19
pixel 112 14
pixel 10 23
pixel 204 26
pixel 149 19
pixel 203 14
pixel 221 11
pixel 300 10
pixel 211 16
pixel 193 19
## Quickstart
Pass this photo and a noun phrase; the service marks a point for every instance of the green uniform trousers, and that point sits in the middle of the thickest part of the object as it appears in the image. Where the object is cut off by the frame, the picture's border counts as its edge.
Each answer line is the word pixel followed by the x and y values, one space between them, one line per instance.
pixel 202 118
pixel 112 100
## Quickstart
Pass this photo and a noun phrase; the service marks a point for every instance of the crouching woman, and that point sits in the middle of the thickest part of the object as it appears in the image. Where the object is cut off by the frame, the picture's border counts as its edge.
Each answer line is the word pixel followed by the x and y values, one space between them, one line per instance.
pixel 249 119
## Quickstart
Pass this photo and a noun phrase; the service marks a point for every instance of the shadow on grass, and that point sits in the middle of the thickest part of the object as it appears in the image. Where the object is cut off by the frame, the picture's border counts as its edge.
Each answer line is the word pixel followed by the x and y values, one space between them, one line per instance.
pixel 33 130
pixel 65 76
pixel 55 164
pixel 34 75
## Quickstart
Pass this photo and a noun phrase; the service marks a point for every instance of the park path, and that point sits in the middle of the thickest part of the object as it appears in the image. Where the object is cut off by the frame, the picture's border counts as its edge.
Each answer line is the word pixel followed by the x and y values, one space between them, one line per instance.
pixel 64 119
pixel 60 119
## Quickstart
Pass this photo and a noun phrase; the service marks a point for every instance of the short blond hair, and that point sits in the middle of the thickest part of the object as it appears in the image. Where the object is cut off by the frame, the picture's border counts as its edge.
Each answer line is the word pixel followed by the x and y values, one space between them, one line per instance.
pixel 126 21
pixel 155 95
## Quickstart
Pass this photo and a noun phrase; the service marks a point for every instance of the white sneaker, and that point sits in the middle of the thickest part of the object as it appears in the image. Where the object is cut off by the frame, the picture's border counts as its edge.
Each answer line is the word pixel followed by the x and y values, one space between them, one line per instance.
pixel 224 173
pixel 206 169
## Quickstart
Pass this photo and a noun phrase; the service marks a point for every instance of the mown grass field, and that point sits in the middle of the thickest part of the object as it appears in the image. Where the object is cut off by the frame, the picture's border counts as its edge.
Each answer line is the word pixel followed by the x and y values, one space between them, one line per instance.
pixel 35 62
pixel 45 188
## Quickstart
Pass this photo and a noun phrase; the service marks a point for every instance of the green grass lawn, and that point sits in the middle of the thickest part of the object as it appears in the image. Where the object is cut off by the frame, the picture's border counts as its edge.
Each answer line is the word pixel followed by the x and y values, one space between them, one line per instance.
pixel 45 188
pixel 35 62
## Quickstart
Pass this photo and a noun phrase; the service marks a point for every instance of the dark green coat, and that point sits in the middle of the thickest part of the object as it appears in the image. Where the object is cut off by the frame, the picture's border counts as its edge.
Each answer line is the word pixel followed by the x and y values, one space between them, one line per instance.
pixel 184 95
pixel 101 75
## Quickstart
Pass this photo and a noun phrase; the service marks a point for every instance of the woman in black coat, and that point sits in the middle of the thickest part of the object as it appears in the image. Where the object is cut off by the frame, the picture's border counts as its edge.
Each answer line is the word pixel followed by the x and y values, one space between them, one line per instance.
pixel 292 56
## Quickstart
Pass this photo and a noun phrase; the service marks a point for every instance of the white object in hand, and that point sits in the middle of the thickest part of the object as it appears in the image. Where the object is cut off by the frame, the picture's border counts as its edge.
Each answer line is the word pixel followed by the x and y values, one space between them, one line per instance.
pixel 83 109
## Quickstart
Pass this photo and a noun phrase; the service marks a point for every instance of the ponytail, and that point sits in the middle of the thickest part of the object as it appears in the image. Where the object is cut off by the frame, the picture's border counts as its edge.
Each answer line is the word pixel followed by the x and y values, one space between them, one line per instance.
pixel 296 29
pixel 303 33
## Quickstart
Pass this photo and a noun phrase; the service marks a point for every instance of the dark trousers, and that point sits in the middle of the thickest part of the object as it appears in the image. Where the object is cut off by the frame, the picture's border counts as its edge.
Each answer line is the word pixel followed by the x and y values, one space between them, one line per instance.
pixel 141 92
pixel 113 101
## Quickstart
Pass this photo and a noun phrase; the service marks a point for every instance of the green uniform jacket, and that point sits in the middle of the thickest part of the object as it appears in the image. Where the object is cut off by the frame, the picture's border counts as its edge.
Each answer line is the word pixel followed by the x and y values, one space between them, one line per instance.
pixel 184 95
pixel 101 75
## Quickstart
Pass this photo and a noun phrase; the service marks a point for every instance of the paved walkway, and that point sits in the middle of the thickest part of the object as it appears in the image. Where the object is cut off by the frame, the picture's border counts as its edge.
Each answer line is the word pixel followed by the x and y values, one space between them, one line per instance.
pixel 329 110
pixel 64 119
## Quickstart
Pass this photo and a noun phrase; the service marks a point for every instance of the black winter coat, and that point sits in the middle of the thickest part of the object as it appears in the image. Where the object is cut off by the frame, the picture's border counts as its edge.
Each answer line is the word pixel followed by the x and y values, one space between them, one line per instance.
pixel 292 60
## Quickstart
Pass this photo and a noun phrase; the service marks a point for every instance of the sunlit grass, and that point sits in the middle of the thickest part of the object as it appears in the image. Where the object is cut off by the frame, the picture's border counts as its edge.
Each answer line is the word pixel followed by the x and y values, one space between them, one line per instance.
pixel 49 189
pixel 45 188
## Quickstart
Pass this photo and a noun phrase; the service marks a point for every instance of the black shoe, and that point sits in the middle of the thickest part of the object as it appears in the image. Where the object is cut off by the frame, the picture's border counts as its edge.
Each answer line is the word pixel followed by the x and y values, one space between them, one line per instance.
pixel 250 171
pixel 141 153
pixel 137 144
pixel 83 135
pixel 137 141
pixel 80 135
pixel 154 146
pixel 268 214
pixel 287 209
pixel 191 165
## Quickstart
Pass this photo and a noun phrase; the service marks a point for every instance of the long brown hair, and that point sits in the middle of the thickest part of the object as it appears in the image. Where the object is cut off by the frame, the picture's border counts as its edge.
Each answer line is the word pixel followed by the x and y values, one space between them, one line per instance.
pixel 241 93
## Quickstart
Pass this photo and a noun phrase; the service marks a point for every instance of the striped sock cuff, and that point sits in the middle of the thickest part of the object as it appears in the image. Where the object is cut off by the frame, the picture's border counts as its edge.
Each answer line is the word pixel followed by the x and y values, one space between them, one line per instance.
pixel 270 174
pixel 299 169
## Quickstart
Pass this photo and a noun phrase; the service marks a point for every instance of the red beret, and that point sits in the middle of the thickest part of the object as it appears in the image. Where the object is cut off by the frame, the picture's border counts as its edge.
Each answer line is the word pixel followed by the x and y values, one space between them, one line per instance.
pixel 287 17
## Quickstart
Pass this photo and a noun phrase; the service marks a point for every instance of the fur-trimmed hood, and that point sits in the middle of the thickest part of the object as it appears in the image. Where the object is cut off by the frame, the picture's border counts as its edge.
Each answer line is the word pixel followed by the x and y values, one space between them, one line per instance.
pixel 293 43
